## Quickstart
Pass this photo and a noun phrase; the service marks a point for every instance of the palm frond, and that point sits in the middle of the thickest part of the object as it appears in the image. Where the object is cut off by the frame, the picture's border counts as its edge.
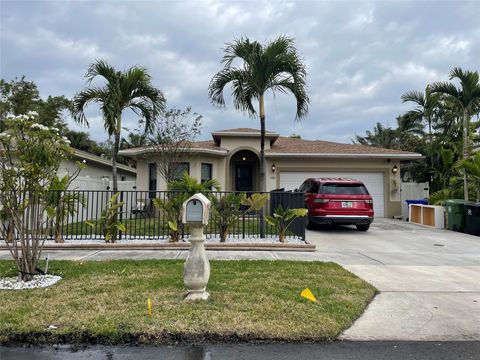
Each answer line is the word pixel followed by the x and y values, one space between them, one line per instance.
pixel 83 99
pixel 101 68
pixel 414 96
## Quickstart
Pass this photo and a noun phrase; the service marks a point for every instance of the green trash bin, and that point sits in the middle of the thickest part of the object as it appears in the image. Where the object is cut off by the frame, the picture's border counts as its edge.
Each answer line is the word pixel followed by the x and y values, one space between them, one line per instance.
pixel 456 214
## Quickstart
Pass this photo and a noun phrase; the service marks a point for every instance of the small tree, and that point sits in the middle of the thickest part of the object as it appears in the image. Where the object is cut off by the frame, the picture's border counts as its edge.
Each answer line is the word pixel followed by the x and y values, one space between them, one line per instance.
pixel 30 155
pixel 173 135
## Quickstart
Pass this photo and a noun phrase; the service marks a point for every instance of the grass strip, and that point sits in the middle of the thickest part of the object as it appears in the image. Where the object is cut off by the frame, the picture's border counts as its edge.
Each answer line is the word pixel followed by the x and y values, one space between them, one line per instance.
pixel 104 302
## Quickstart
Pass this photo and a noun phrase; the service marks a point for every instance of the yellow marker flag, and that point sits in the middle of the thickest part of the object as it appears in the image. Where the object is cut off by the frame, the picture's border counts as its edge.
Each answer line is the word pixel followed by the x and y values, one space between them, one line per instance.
pixel 307 294
pixel 149 307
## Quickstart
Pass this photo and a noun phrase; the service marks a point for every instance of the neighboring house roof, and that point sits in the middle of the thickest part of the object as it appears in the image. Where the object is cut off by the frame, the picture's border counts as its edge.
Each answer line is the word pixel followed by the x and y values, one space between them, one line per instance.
pixel 288 147
pixel 90 158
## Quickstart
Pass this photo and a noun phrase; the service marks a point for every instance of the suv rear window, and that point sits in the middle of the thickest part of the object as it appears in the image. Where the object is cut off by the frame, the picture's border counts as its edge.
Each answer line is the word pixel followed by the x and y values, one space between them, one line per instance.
pixel 343 189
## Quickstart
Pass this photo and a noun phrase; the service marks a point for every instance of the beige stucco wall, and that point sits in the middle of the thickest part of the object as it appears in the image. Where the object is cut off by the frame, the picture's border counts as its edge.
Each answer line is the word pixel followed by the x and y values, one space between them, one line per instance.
pixel 235 143
pixel 218 170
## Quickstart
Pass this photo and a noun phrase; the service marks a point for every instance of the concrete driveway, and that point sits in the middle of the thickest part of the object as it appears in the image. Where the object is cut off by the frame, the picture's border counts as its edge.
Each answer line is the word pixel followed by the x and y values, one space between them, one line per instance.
pixel 429 280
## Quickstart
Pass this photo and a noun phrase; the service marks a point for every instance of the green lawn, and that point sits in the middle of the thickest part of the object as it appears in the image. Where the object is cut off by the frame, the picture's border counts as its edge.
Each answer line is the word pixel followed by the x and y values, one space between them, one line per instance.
pixel 105 302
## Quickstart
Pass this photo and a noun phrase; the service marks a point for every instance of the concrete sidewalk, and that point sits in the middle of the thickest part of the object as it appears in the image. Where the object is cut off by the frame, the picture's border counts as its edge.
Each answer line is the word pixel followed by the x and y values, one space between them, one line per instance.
pixel 429 279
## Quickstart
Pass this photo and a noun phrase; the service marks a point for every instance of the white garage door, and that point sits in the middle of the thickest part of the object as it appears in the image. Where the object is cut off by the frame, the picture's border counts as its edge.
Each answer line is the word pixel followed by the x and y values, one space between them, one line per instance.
pixel 372 180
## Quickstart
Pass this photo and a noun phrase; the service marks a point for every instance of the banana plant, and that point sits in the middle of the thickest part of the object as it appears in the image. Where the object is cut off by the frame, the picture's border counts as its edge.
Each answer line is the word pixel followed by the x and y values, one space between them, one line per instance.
pixel 228 209
pixel 283 218
pixel 62 203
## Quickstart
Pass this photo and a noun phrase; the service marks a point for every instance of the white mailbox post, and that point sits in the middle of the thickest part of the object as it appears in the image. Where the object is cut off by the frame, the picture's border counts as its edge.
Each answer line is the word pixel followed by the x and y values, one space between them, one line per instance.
pixel 196 211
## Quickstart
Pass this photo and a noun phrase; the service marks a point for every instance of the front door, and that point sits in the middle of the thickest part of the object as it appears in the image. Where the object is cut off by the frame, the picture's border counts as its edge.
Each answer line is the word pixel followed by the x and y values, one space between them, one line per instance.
pixel 243 177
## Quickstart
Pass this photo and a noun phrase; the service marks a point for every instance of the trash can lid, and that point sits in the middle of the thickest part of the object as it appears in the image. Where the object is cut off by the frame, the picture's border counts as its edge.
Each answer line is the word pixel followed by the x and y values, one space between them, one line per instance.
pixel 419 201
pixel 458 201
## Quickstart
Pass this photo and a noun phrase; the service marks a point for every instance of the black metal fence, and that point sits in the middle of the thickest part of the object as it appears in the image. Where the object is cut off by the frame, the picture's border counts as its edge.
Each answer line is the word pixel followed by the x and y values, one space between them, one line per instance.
pixel 82 212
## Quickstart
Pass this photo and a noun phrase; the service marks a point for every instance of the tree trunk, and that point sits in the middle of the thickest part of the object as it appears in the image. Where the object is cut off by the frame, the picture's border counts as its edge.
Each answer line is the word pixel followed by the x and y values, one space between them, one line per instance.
pixel 263 184
pixel 116 145
pixel 465 152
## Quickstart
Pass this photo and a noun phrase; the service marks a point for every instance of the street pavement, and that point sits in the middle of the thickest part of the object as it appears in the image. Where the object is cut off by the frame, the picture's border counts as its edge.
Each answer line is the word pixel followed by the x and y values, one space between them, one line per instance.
pixel 429 280
pixel 344 350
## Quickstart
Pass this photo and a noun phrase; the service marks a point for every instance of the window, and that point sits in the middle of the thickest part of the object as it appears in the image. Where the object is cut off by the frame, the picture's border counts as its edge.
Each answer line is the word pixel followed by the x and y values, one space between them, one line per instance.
pixel 123 178
pixel 344 189
pixel 314 188
pixel 152 180
pixel 206 172
pixel 179 169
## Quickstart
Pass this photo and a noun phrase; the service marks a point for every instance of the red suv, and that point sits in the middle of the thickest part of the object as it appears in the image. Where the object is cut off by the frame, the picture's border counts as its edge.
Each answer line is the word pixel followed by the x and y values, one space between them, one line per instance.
pixel 337 201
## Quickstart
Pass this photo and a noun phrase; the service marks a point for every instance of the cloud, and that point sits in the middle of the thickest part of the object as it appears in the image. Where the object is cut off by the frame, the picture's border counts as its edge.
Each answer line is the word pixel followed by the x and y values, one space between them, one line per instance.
pixel 360 56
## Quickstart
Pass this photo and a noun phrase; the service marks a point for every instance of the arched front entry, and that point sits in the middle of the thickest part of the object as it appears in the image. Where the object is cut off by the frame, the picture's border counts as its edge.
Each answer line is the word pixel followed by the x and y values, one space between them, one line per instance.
pixel 244 171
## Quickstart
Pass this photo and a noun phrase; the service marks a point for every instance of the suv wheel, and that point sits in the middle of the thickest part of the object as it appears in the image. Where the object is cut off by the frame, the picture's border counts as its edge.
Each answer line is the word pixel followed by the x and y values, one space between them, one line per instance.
pixel 363 227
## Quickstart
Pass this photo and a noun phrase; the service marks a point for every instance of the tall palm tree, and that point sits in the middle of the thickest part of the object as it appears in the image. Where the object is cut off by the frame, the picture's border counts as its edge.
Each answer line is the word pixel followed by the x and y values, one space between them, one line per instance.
pixel 424 112
pixel 130 89
pixel 467 99
pixel 275 66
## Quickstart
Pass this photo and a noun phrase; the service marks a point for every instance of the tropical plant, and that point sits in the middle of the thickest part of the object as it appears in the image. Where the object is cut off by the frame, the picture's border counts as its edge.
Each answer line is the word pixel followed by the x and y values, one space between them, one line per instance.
pixel 467 101
pixel 109 224
pixel 29 160
pixel 275 66
pixel 179 191
pixel 64 203
pixel 130 89
pixel 230 207
pixel 282 218
pixel 472 167
pixel 443 166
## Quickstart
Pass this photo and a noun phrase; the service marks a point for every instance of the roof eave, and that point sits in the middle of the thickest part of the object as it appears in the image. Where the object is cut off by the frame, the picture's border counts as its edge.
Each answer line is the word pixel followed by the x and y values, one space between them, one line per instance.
pixel 82 155
pixel 138 152
pixel 412 156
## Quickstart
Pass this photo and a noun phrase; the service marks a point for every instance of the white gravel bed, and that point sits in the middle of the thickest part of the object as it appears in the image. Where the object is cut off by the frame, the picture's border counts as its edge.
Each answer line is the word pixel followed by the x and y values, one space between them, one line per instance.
pixel 39 281
pixel 155 240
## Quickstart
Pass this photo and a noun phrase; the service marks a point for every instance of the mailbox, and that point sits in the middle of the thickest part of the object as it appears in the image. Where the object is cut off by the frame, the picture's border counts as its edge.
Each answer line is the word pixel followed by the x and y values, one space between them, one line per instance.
pixel 196 210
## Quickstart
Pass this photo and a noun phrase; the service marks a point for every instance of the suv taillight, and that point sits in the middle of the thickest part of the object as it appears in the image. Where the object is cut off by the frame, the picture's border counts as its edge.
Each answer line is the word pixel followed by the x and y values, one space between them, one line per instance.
pixel 321 201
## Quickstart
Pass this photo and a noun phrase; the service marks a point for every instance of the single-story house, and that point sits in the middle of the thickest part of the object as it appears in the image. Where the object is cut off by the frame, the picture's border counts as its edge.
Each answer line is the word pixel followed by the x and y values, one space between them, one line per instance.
pixel 98 172
pixel 232 157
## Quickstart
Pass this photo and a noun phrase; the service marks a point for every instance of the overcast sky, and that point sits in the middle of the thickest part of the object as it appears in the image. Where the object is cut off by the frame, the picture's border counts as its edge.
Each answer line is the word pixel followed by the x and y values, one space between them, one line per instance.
pixel 360 56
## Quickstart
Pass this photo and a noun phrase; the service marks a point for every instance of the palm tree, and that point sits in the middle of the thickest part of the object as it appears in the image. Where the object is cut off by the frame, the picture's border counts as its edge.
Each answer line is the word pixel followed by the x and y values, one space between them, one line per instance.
pixel 425 111
pixel 130 89
pixel 472 167
pixel 467 99
pixel 275 66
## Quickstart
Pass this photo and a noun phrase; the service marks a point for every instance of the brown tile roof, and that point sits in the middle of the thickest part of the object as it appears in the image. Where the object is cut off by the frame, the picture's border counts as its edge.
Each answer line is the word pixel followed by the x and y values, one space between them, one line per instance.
pixel 293 145
pixel 243 130
pixel 207 144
